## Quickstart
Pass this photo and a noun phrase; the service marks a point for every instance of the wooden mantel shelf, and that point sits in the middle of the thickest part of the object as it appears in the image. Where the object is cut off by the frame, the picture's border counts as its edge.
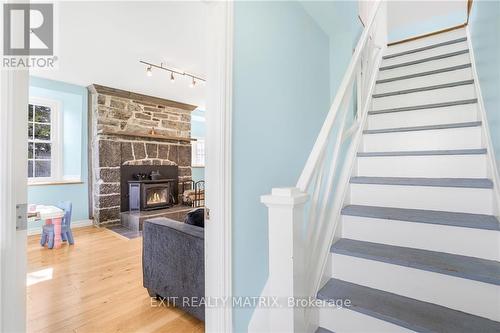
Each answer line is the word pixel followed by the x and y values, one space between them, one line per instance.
pixel 149 136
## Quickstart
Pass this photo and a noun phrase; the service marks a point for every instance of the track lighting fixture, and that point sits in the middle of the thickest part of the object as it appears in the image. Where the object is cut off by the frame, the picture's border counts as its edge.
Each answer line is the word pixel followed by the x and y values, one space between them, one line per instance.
pixel 149 72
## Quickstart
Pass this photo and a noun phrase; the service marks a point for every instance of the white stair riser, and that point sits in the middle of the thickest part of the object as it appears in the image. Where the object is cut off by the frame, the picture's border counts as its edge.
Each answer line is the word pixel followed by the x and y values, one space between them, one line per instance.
pixel 431 40
pixel 432 237
pixel 425 97
pixel 425 66
pixel 445 115
pixel 453 199
pixel 454 138
pixel 344 320
pixel 425 54
pixel 424 81
pixel 478 298
pixel 434 166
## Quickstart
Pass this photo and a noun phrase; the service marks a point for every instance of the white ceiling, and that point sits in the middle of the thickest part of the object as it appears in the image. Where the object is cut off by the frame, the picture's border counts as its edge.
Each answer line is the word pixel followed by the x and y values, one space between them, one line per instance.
pixel 404 13
pixel 102 42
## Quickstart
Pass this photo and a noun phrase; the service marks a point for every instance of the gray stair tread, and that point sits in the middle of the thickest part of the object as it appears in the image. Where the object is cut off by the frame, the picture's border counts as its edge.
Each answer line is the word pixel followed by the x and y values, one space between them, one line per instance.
pixel 436 71
pixel 323 330
pixel 465 220
pixel 424 48
pixel 419 61
pixel 415 90
pixel 480 151
pixel 416 181
pixel 403 311
pixel 423 128
pixel 424 106
pixel 477 269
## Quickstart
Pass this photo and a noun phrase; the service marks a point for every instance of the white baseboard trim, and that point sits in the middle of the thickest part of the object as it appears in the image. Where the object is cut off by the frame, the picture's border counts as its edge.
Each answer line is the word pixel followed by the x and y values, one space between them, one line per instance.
pixel 75 224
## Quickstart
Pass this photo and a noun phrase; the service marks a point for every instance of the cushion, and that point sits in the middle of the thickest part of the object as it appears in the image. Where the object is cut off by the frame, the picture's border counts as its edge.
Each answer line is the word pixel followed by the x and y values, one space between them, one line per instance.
pixel 196 217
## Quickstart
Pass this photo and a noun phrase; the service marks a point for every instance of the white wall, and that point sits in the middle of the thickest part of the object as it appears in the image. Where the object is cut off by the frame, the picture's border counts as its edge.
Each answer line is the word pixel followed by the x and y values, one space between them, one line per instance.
pixel 410 18
pixel 102 42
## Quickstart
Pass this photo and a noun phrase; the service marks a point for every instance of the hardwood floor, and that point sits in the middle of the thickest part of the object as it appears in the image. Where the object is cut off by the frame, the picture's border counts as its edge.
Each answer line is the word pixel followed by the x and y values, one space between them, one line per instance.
pixel 95 286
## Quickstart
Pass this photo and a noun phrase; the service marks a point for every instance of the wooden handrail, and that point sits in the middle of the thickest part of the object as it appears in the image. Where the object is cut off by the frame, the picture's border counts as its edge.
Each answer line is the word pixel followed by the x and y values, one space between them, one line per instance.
pixel 409 39
pixel 469 9
pixel 321 140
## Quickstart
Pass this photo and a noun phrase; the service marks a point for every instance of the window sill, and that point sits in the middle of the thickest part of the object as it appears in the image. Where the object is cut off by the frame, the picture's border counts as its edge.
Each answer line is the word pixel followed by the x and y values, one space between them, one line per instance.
pixel 197 166
pixel 55 182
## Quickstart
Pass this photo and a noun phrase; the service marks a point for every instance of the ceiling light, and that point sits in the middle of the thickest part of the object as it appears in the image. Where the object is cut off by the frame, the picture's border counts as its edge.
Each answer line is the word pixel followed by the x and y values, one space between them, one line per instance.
pixel 174 73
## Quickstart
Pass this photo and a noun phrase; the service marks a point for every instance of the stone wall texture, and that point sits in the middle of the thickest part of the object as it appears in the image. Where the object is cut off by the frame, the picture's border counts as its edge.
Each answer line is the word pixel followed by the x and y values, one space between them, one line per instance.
pixel 109 150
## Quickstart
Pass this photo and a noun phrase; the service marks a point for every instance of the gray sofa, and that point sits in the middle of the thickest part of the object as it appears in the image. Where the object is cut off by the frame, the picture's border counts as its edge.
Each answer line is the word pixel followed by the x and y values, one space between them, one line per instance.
pixel 173 262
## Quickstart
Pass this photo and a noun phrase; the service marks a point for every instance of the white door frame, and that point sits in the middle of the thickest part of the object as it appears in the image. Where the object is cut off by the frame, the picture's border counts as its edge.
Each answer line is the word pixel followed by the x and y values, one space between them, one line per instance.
pixel 14 87
pixel 218 234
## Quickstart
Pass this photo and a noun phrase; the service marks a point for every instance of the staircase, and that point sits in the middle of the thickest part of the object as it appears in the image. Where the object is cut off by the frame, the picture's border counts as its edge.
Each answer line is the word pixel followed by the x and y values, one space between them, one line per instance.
pixel 419 246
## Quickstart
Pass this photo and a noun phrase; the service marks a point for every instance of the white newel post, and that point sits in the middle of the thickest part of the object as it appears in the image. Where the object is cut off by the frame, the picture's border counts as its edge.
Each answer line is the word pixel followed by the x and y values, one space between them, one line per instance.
pixel 286 264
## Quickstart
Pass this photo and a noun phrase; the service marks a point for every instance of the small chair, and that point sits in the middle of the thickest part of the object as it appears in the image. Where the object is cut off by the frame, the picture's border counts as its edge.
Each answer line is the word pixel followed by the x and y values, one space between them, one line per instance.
pixel 66 234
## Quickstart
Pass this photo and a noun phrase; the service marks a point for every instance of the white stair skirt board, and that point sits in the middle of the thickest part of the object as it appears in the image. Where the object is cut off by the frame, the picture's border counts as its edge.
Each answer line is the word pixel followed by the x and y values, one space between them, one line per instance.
pixel 344 320
pixel 443 115
pixel 453 199
pixel 462 92
pixel 454 138
pixel 425 66
pixel 425 53
pixel 474 297
pixel 480 243
pixel 425 80
pixel 433 166
pixel 439 38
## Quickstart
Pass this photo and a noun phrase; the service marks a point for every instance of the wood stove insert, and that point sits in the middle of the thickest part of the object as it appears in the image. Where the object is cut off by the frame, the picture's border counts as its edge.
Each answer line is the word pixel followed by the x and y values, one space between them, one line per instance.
pixel 128 175
pixel 151 194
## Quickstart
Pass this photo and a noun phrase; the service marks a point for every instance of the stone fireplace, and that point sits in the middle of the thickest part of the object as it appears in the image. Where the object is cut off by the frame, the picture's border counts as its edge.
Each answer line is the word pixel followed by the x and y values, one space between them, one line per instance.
pixel 127 128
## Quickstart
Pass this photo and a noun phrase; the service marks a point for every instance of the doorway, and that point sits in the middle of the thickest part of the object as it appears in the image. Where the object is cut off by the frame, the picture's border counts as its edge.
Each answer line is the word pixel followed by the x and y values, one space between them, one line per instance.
pixel 15 87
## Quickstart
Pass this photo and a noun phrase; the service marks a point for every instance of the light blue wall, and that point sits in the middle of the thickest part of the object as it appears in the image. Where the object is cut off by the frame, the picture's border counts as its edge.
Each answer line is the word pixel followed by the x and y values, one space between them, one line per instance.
pixel 485 36
pixel 73 101
pixel 339 20
pixel 198 130
pixel 281 96
pixel 434 23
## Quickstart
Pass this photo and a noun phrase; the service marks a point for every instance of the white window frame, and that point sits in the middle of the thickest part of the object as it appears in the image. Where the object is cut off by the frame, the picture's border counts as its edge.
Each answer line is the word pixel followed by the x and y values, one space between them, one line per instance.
pixel 194 148
pixel 56 165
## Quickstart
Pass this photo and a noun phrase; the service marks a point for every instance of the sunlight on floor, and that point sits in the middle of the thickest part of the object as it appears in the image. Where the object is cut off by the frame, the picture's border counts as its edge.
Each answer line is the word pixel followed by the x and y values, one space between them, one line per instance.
pixel 95 286
pixel 39 276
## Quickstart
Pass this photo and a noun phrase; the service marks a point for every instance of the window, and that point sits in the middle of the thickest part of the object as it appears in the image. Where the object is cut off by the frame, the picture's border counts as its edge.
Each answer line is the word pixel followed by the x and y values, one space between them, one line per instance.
pixel 198 153
pixel 43 144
